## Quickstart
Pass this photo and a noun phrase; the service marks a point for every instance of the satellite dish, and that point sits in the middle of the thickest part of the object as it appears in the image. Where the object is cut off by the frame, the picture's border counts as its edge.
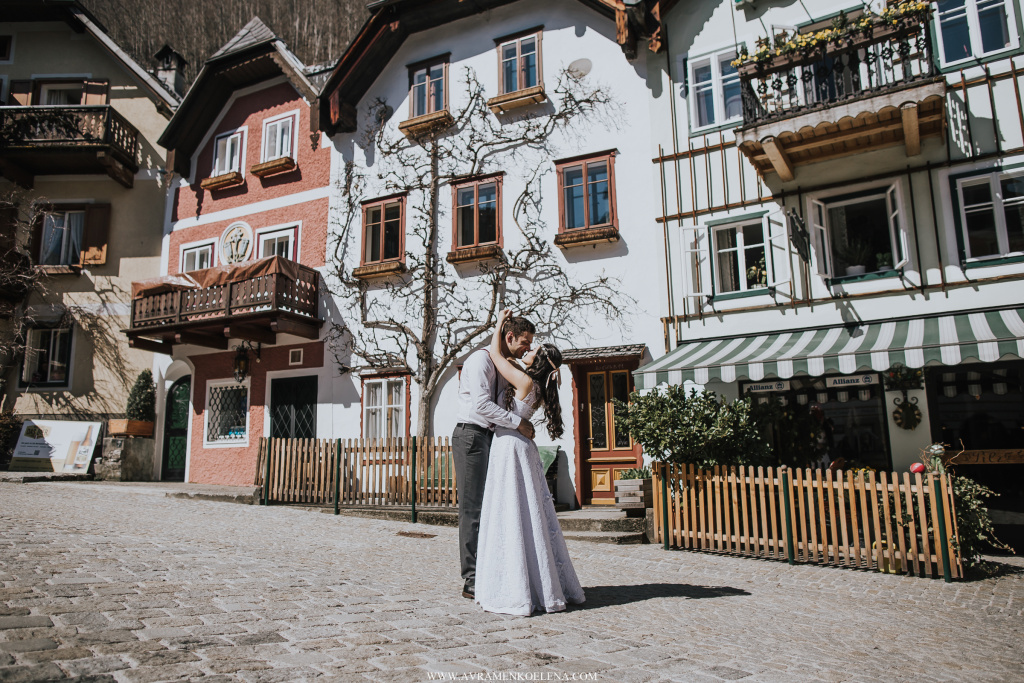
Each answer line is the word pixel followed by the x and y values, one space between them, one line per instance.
pixel 581 67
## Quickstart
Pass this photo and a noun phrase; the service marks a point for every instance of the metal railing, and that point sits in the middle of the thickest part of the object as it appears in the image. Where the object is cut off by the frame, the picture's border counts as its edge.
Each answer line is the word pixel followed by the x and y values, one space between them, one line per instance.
pixel 889 58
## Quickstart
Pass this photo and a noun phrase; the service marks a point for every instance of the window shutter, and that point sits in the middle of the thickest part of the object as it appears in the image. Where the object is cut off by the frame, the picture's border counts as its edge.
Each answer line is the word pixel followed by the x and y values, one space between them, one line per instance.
pixel 36 238
pixel 31 353
pixel 8 228
pixel 696 261
pixel 900 250
pixel 777 230
pixel 21 93
pixel 821 242
pixel 96 92
pixel 94 240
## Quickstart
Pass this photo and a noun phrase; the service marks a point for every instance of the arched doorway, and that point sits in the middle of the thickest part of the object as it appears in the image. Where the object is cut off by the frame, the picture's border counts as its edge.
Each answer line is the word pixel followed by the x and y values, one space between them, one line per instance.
pixel 176 414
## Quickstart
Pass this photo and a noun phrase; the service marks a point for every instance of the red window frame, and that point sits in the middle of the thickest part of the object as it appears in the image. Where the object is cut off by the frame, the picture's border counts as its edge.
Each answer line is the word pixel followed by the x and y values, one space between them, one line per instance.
pixel 562 165
pixel 475 183
pixel 383 203
pixel 440 60
pixel 517 38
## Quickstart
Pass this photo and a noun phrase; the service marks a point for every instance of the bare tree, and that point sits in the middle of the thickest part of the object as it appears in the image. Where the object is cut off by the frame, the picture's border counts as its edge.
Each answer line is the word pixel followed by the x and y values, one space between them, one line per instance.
pixel 430 316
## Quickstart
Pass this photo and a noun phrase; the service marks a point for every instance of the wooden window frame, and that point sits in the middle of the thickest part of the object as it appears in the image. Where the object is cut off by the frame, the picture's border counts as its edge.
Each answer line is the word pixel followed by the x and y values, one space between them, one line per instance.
pixel 384 378
pixel 561 165
pixel 499 43
pixel 475 182
pixel 427 64
pixel 383 202
pixel 609 407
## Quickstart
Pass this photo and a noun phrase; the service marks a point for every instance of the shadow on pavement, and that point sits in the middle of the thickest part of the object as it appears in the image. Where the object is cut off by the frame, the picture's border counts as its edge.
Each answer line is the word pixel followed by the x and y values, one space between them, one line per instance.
pixel 604 596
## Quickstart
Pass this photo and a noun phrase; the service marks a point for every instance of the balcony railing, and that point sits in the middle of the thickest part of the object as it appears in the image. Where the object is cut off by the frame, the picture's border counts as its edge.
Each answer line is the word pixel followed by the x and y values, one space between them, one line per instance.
pixel 883 59
pixel 210 306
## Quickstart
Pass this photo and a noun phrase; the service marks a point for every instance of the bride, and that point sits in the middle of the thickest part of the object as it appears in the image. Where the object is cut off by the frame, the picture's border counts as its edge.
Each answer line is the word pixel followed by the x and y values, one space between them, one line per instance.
pixel 522 562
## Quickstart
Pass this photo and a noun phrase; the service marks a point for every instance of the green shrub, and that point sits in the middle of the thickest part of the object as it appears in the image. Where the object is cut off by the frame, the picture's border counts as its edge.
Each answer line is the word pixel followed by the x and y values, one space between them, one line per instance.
pixel 636 473
pixel 10 429
pixel 695 428
pixel 790 431
pixel 142 398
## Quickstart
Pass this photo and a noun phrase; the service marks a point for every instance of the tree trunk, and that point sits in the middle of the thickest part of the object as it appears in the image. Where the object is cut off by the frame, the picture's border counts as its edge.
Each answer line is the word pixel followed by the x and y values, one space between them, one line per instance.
pixel 427 360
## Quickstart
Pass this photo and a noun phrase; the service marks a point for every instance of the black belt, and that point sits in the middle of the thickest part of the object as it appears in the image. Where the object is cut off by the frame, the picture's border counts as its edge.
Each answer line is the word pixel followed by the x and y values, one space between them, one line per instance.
pixel 473 427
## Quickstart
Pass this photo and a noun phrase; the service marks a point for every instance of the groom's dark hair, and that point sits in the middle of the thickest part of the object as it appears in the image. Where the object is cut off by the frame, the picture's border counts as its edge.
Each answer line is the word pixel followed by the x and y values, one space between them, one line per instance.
pixel 518 326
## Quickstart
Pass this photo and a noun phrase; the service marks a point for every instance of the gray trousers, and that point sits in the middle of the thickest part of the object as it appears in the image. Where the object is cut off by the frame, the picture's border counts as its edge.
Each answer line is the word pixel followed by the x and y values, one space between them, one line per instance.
pixel 471 447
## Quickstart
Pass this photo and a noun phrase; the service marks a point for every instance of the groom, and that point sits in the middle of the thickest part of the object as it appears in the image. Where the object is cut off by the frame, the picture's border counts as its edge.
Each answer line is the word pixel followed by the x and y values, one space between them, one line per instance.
pixel 480 411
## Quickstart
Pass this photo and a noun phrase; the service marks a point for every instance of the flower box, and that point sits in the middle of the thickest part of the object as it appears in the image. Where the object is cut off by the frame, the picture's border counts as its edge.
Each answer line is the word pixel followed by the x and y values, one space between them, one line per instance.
pixel 519 98
pixel 428 123
pixel 219 182
pixel 379 270
pixel 473 254
pixel 130 428
pixel 633 493
pixel 273 167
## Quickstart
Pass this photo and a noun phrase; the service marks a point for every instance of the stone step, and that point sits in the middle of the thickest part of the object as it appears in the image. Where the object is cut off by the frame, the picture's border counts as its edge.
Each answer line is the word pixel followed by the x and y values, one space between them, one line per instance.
pixel 612 537
pixel 589 519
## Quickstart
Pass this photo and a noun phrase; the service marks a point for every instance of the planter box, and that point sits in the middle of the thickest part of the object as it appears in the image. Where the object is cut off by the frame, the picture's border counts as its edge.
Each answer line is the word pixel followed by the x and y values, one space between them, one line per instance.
pixel 220 182
pixel 130 428
pixel 633 493
pixel 273 167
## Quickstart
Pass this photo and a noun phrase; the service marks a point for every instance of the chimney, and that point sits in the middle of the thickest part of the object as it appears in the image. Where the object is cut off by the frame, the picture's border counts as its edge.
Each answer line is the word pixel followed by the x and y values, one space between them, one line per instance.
pixel 170 69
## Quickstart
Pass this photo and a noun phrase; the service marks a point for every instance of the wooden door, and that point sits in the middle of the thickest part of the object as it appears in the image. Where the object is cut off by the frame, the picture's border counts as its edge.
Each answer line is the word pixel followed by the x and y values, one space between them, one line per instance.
pixel 606 447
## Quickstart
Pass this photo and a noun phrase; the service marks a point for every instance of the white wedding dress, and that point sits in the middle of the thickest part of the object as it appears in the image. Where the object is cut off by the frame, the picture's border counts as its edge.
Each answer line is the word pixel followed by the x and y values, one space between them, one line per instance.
pixel 522 563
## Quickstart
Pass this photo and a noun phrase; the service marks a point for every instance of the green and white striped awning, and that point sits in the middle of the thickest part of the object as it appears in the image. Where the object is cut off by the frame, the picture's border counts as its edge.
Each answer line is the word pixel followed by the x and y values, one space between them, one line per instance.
pixel 946 340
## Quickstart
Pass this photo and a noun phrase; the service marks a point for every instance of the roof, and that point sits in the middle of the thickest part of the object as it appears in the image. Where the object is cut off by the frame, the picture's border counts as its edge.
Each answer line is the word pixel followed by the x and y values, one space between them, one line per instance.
pixel 254 55
pixel 82 21
pixel 253 33
pixel 391 22
pixel 946 339
pixel 603 353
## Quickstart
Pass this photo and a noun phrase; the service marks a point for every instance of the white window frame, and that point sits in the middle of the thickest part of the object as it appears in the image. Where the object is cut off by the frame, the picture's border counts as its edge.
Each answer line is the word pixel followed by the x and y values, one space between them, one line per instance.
pixel 236 443
pixel 384 381
pixel 241 134
pixel 294 230
pixel 998 209
pixel 974 31
pixel 715 60
pixel 192 246
pixel 265 154
pixel 740 249
pixel 46 88
pixel 66 258
pixel 29 385
pixel 295 356
pixel 821 237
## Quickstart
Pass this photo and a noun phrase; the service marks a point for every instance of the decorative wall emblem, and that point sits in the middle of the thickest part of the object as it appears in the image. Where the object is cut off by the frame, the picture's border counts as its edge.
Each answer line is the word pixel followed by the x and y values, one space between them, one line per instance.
pixel 236 243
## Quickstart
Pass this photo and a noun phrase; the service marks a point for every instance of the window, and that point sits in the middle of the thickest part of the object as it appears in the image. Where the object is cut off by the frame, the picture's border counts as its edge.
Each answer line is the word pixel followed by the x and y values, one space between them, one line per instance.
pixel 992 215
pixel 47 357
pixel 715 85
pixel 859 233
pixel 477 207
pixel 427 87
pixel 196 258
pixel 278 242
pixel 6 45
pixel 384 408
pixel 227 154
pixel 975 28
pixel 519 59
pixel 740 258
pixel 62 236
pixel 384 230
pixel 227 413
pixel 587 192
pixel 606 417
pixel 277 138
pixel 61 94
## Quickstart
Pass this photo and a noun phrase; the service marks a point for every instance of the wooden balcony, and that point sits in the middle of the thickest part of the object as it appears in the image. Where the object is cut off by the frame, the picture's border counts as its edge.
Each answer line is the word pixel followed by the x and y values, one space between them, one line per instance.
pixel 81 139
pixel 869 90
pixel 169 311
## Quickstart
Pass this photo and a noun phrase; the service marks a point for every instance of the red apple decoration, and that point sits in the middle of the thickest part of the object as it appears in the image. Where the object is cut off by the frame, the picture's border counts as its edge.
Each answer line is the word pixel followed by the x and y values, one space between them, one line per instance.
pixel 917 468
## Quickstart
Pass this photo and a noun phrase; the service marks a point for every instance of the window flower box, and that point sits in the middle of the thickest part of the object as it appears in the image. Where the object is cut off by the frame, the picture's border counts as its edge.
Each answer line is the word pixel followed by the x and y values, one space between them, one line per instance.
pixel 517 99
pixel 130 428
pixel 474 254
pixel 220 182
pixel 428 123
pixel 375 270
pixel 273 167
pixel 579 237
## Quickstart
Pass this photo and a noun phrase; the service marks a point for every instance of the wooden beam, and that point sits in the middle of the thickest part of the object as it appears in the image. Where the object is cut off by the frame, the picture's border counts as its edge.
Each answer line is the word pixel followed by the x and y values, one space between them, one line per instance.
pixel 299 329
pixel 780 162
pixel 911 129
pixel 150 345
pixel 199 339
pixel 250 333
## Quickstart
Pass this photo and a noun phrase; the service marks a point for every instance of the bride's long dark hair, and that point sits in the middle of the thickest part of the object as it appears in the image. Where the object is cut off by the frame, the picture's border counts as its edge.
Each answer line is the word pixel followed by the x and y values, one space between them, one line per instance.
pixel 547 360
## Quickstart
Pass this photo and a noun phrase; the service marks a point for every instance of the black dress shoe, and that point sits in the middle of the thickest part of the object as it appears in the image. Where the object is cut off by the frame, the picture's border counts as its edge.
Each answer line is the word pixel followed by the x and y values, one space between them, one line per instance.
pixel 469 591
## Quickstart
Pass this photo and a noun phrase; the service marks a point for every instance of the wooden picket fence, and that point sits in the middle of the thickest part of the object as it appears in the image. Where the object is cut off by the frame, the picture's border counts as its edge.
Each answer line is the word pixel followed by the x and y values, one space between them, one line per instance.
pixel 893 523
pixel 372 472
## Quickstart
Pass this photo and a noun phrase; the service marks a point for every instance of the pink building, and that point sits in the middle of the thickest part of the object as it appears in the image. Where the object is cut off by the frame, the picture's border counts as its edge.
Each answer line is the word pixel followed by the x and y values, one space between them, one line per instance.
pixel 237 311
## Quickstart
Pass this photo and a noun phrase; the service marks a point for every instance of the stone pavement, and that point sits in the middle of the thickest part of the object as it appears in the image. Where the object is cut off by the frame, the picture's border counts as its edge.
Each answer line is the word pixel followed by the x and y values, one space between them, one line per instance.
pixel 122 583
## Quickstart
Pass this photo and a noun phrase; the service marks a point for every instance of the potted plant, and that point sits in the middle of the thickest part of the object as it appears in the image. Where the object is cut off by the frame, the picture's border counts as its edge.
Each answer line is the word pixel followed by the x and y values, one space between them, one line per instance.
pixel 856 255
pixel 633 489
pixel 140 410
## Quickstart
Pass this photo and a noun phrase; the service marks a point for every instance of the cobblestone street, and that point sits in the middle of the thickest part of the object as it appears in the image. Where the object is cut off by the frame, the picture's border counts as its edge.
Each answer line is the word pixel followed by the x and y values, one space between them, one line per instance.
pixel 122 583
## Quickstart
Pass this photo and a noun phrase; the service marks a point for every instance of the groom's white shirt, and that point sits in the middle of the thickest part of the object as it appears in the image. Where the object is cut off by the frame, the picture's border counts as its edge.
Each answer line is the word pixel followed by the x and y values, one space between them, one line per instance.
pixel 477 391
